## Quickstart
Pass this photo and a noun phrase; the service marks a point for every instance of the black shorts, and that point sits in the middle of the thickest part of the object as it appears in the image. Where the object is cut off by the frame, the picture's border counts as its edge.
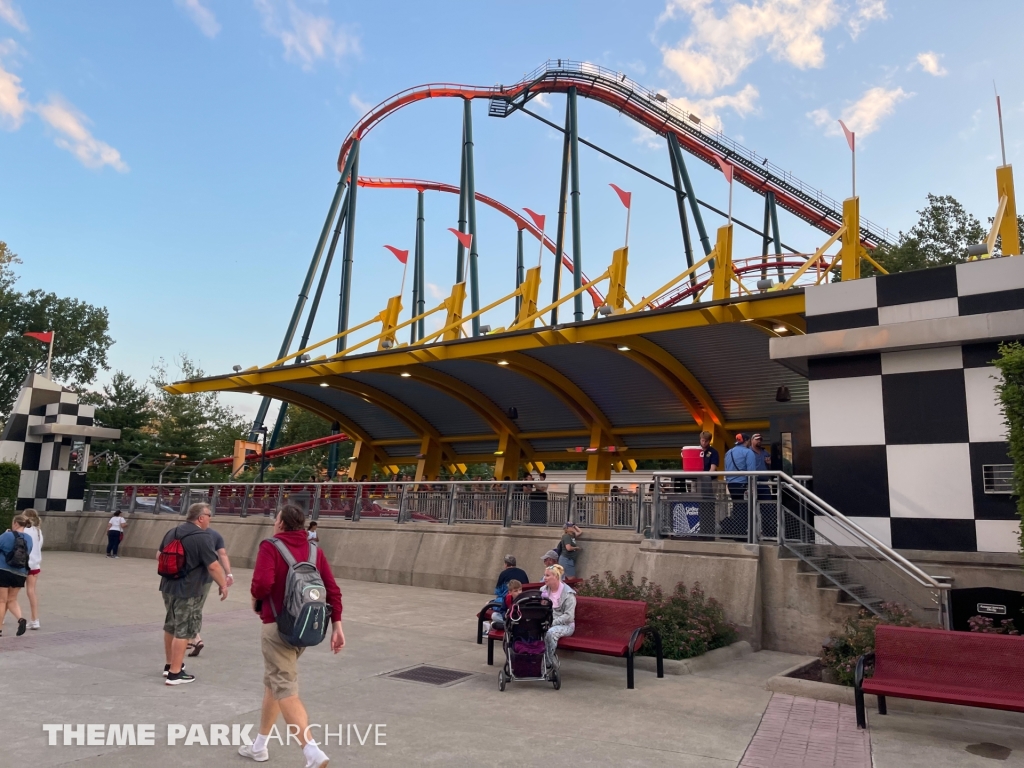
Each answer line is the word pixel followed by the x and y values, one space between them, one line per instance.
pixel 9 579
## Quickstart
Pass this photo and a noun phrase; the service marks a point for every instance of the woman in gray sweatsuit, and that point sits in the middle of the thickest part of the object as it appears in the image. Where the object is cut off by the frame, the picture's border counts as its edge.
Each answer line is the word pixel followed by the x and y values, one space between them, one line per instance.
pixel 563 601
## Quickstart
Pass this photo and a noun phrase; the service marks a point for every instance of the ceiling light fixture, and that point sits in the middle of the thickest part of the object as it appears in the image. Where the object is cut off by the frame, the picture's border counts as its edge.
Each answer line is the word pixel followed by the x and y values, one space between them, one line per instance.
pixel 324 384
pixel 503 362
pixel 406 375
pixel 622 348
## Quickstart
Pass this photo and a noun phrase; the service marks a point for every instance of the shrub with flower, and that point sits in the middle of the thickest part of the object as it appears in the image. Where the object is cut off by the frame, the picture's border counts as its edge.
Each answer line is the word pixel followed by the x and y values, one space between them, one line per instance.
pixel 986 626
pixel 689 622
pixel 857 637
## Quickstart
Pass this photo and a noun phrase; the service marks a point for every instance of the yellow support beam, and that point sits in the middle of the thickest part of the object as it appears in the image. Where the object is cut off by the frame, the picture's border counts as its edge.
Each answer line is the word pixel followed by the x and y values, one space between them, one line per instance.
pixel 849 253
pixel 428 463
pixel 508 457
pixel 529 291
pixel 389 320
pixel 616 298
pixel 722 274
pixel 1008 226
pixel 361 462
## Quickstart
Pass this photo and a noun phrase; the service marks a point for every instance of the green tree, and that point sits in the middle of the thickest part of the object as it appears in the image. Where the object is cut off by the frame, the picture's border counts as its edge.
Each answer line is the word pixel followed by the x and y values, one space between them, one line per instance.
pixel 124 404
pixel 193 426
pixel 80 345
pixel 301 426
pixel 941 236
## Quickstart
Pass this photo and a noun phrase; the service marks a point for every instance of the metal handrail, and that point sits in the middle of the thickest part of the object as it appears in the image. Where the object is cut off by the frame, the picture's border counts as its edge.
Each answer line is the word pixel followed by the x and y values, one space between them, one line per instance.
pixel 828 510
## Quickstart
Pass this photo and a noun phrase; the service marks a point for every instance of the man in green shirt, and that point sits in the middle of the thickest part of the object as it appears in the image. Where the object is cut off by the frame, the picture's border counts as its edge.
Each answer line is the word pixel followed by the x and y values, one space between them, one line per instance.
pixel 570 549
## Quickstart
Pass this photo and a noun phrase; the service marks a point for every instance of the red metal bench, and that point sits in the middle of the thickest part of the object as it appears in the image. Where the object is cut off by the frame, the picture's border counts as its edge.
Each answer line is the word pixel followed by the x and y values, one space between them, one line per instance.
pixel 969 668
pixel 606 627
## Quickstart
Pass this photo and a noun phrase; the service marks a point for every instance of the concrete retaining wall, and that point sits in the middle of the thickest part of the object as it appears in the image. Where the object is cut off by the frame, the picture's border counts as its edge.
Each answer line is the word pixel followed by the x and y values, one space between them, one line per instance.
pixel 772 605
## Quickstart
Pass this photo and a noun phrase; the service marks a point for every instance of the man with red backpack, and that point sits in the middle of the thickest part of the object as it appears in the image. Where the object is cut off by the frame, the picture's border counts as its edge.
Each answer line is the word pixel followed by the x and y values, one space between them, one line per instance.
pixel 298 599
pixel 187 563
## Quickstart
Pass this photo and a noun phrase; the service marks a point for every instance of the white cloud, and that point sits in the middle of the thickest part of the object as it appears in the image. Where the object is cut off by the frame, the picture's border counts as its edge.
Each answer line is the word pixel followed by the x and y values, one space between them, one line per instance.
pixel 719 48
pixel 542 100
pixel 201 16
pixel 73 136
pixel 11 14
pixel 866 11
pixel 360 106
pixel 865 115
pixel 12 105
pixel 743 103
pixel 306 38
pixel 929 61
pixel 436 293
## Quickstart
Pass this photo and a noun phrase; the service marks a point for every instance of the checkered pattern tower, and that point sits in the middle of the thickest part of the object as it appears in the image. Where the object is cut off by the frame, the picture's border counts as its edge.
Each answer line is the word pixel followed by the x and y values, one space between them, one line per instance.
pixel 40 436
pixel 907 433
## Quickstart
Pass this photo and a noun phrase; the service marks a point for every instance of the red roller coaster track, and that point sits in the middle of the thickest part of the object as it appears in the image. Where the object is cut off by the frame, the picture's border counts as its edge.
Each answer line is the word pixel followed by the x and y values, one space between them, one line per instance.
pixel 521 222
pixel 651 110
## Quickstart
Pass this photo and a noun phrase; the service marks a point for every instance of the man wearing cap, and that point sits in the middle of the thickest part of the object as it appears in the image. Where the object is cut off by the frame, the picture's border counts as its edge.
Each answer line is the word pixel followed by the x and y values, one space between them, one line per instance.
pixel 550 558
pixel 570 549
pixel 739 458
pixel 761 458
pixel 762 462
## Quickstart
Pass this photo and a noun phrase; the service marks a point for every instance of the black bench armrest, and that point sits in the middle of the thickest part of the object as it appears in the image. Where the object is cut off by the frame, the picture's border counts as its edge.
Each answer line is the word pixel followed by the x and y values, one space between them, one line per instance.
pixel 858 673
pixel 648 630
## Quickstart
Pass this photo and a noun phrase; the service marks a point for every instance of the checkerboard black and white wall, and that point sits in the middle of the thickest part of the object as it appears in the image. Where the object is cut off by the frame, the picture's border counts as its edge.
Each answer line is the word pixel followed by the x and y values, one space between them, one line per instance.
pixel 39 435
pixel 905 418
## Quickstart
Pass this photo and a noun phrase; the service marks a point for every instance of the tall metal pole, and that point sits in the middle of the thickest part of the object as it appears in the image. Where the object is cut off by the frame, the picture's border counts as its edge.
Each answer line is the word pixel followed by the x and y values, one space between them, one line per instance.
pixel 520 269
pixel 681 204
pixel 560 225
pixel 474 288
pixel 332 454
pixel 350 243
pixel 460 257
pixel 694 208
pixel 774 212
pixel 418 299
pixel 765 238
pixel 300 303
pixel 423 267
pixel 577 235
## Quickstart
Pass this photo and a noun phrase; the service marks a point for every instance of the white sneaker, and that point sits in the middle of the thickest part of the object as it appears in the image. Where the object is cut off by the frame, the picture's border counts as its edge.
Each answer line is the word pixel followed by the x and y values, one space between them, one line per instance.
pixel 318 760
pixel 262 756
pixel 33 624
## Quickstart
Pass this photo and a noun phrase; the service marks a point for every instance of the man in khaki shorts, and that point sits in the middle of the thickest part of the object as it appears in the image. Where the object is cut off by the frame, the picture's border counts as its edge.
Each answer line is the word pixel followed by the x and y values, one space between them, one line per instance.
pixel 184 597
pixel 280 660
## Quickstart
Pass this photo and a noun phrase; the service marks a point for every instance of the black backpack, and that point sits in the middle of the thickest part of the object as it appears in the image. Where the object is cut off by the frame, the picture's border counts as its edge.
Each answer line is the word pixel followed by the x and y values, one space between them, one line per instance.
pixel 18 556
pixel 305 615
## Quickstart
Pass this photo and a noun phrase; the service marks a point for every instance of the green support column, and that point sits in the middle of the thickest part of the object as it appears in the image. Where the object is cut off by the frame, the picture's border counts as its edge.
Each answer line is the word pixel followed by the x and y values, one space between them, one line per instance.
pixel 474 250
pixel 560 224
pixel 775 234
pixel 350 243
pixel 577 245
pixel 300 303
pixel 418 299
pixel 332 455
pixel 694 209
pixel 460 252
pixel 681 204
pixel 520 269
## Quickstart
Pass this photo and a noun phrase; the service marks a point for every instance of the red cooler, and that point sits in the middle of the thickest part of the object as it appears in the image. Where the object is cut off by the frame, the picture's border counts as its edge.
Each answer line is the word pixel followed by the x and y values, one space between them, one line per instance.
pixel 692 460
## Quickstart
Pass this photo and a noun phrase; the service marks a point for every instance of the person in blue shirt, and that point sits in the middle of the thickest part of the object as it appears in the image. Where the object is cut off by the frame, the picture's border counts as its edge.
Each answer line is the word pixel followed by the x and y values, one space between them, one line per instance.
pixel 738 459
pixel 15 548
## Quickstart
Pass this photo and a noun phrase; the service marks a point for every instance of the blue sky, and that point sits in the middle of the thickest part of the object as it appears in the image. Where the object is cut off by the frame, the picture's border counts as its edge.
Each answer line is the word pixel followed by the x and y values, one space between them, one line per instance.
pixel 174 160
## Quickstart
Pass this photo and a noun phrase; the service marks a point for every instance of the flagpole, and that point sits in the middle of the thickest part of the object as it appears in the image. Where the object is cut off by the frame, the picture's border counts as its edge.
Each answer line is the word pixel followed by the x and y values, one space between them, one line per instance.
pixel 405 268
pixel 49 355
pixel 628 211
pixel 540 255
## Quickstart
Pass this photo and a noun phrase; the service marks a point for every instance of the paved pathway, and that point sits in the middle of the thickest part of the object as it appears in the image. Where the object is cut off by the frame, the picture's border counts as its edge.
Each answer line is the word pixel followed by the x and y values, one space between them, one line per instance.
pixel 806 733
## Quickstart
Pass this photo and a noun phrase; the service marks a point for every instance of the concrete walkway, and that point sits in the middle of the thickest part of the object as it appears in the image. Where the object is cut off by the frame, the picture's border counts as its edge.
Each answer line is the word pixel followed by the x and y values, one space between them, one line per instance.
pixel 98 658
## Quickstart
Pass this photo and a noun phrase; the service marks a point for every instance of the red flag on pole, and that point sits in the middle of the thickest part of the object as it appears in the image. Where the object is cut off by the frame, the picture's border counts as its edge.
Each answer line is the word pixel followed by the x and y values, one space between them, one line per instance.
pixel 849 135
pixel 464 237
pixel 402 256
pixel 624 196
pixel 538 219
pixel 726 168
pixel 44 336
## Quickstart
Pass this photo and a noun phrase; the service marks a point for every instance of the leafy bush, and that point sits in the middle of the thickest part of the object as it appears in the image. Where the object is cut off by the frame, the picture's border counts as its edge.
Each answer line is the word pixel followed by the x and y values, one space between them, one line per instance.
pixel 986 626
pixel 841 652
pixel 689 623
pixel 1011 395
pixel 10 475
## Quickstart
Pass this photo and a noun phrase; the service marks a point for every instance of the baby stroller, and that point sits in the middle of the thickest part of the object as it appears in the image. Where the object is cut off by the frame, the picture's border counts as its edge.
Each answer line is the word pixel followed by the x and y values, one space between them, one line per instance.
pixel 525 624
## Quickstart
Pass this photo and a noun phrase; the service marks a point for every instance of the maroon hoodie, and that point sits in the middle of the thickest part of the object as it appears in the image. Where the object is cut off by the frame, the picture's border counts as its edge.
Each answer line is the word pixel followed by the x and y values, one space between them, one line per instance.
pixel 271 570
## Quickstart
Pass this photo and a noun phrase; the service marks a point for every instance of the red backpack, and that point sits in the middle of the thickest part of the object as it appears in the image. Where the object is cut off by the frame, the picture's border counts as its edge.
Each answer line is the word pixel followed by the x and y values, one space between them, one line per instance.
pixel 171 562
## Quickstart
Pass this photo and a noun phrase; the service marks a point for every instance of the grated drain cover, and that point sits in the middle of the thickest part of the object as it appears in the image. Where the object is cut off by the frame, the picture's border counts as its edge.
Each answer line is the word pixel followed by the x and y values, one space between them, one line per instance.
pixel 431 675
